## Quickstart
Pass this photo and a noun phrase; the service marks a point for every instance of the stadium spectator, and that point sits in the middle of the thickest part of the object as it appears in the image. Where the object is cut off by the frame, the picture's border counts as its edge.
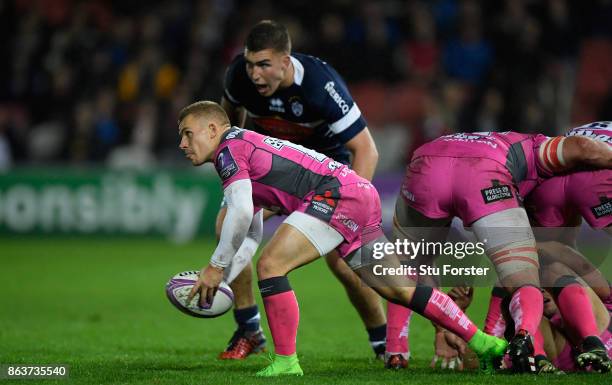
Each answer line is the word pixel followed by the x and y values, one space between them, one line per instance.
pixel 59 56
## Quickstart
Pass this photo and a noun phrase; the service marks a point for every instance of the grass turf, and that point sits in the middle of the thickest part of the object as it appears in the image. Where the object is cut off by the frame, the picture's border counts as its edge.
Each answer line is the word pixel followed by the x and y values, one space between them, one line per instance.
pixel 99 306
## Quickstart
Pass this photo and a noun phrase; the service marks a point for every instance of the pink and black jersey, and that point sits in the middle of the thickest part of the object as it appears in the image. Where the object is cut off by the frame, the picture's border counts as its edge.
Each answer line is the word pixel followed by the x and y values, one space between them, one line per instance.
pixel 287 177
pixel 559 200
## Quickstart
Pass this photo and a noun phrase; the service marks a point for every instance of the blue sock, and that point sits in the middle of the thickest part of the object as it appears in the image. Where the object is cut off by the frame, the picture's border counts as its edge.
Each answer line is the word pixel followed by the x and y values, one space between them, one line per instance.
pixel 247 318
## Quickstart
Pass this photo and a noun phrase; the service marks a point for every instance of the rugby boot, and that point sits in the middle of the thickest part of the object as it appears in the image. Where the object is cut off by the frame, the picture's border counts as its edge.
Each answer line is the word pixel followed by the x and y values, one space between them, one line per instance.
pixel 544 366
pixel 594 355
pixel 520 351
pixel 242 344
pixel 282 366
pixel 396 361
pixel 489 349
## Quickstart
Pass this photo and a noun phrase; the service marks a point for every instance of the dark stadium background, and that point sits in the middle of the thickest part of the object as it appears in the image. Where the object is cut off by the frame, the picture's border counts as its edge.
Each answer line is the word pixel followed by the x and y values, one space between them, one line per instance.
pixel 98 207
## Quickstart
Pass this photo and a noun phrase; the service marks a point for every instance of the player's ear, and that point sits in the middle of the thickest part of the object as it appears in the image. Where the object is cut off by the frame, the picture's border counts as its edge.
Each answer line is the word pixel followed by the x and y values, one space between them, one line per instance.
pixel 212 130
pixel 285 60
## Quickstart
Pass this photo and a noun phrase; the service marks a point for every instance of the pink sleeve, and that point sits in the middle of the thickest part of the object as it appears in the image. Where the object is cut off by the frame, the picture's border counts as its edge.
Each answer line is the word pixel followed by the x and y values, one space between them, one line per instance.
pixel 232 161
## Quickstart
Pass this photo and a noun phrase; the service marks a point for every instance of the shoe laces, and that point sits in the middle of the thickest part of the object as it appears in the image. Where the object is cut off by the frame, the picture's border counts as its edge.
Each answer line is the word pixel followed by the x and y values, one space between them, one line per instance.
pixel 242 345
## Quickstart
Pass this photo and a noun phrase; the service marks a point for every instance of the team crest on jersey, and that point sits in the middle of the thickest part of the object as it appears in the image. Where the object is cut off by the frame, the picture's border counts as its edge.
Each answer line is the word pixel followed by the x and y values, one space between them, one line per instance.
pixel 605 208
pixel 497 192
pixel 297 108
pixel 276 105
pixel 225 164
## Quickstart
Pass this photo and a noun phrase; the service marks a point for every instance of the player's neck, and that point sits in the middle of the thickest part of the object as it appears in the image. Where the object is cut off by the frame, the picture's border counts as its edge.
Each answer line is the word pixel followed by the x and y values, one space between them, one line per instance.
pixel 289 75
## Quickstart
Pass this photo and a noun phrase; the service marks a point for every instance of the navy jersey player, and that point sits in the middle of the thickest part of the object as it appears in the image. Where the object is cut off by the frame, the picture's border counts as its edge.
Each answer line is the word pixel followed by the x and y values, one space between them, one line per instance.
pixel 302 99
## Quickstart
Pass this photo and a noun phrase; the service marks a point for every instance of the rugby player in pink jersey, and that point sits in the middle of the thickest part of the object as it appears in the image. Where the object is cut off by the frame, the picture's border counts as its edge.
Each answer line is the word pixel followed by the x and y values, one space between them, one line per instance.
pixel 559 203
pixel 559 342
pixel 328 206
pixel 481 178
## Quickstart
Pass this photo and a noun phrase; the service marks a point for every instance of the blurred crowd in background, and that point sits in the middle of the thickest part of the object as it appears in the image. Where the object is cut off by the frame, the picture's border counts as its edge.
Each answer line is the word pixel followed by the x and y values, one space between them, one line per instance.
pixel 100 82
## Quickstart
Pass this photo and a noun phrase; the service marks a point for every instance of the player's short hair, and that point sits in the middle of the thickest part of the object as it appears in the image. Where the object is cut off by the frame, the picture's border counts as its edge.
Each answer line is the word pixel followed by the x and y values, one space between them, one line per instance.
pixel 268 34
pixel 205 107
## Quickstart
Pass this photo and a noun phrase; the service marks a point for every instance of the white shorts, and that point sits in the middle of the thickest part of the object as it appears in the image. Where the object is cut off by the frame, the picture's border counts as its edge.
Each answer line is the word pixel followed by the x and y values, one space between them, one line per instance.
pixel 323 237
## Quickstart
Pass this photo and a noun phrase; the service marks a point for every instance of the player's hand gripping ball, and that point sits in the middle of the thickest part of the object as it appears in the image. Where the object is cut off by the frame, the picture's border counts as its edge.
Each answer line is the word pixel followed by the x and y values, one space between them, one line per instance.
pixel 179 286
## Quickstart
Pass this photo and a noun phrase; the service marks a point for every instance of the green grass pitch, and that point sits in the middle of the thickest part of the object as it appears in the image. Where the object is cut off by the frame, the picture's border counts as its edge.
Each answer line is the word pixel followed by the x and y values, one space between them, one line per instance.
pixel 99 306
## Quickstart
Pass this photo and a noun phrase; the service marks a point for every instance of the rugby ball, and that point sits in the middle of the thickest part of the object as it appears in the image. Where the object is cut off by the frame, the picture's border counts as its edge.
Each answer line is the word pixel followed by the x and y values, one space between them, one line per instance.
pixel 179 286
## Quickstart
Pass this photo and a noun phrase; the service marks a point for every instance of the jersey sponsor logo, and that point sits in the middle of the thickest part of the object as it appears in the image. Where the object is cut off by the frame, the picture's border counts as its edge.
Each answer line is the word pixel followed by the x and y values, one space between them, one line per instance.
pixel 347 222
pixel 408 194
pixel 276 105
pixel 329 87
pixel 322 206
pixel 497 192
pixel 605 208
pixel 226 165
pixel 297 108
pixel 472 137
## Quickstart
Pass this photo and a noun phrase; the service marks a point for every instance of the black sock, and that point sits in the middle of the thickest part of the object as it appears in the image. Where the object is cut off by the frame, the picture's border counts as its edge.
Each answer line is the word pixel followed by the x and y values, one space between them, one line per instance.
pixel 377 335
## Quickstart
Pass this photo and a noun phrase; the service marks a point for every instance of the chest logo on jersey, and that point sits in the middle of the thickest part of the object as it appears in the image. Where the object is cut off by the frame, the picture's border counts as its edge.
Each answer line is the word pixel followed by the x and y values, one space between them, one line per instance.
pixel 297 108
pixel 276 105
pixel 605 208
pixel 226 165
pixel 497 192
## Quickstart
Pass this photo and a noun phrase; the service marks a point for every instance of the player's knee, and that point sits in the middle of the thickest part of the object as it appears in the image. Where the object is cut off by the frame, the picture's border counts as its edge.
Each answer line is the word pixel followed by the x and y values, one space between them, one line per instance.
pixel 548 277
pixel 517 259
pixel 396 294
pixel 268 267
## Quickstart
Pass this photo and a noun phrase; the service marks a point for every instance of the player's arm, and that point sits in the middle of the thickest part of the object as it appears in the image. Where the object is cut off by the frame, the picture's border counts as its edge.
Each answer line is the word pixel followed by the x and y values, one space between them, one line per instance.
pixel 559 154
pixel 345 121
pixel 238 196
pixel 236 113
pixel 364 152
pixel 247 250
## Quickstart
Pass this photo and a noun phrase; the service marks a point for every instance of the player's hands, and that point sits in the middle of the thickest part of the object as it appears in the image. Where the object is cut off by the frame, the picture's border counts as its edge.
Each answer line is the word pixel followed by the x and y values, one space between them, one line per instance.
pixel 208 282
pixel 462 295
pixel 449 350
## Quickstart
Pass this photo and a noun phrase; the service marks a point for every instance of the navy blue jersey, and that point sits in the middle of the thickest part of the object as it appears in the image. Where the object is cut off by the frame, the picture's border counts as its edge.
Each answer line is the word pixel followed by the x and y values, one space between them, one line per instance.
pixel 316 111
